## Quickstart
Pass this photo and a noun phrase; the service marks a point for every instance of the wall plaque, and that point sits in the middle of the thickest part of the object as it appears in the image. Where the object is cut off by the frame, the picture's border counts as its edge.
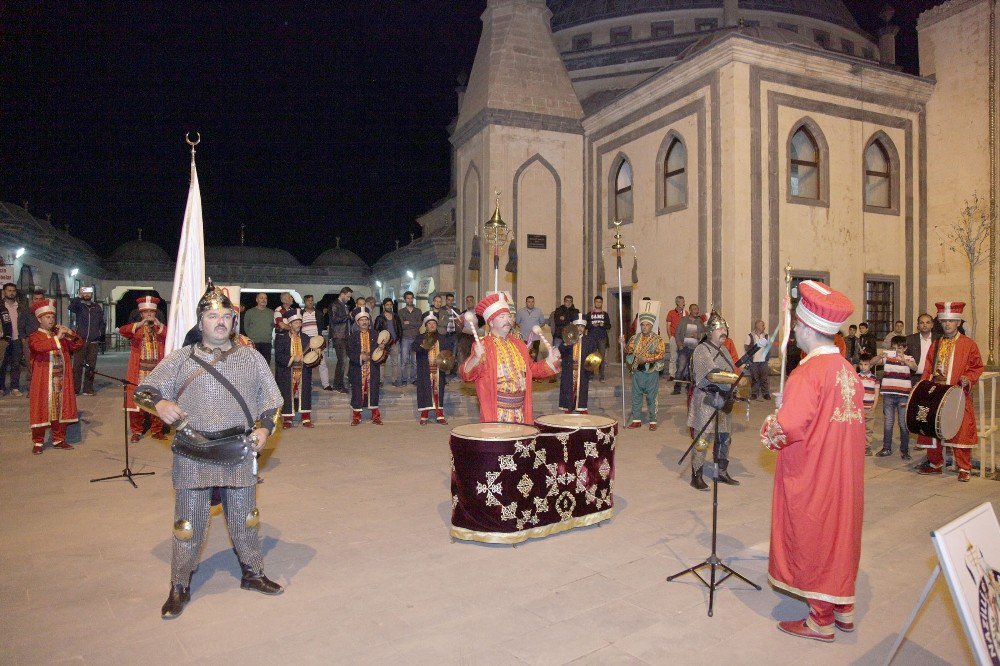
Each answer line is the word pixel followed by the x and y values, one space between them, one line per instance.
pixel 536 241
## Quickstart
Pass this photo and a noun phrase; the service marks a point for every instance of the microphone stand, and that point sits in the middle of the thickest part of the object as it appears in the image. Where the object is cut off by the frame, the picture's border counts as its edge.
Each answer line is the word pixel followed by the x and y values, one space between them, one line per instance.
pixel 712 561
pixel 127 473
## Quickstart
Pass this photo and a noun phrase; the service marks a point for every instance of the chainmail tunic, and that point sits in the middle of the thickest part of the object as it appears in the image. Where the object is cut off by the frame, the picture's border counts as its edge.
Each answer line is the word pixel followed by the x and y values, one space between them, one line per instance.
pixel 211 408
pixel 707 357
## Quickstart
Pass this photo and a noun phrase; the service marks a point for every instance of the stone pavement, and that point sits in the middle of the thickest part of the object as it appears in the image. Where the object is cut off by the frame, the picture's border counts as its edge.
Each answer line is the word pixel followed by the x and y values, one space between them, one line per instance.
pixel 355 525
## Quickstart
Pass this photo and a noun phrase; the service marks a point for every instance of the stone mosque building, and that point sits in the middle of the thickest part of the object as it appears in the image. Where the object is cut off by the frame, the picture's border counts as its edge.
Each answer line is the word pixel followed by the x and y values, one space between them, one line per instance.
pixel 730 138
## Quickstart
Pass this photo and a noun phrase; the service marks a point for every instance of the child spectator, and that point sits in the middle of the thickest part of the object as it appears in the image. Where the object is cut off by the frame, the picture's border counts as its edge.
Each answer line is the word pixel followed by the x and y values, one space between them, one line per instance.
pixel 895 392
pixel 870 384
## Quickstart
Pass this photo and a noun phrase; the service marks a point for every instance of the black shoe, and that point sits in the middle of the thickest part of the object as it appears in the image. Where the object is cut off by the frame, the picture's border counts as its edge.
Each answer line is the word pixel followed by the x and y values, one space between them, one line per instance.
pixel 883 453
pixel 677 390
pixel 905 456
pixel 697 482
pixel 724 475
pixel 341 390
pixel 327 388
pixel 924 464
pixel 260 583
pixel 174 606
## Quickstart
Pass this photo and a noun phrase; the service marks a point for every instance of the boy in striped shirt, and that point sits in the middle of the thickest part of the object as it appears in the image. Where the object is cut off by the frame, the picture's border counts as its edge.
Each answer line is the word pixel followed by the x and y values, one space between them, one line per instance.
pixel 870 383
pixel 895 390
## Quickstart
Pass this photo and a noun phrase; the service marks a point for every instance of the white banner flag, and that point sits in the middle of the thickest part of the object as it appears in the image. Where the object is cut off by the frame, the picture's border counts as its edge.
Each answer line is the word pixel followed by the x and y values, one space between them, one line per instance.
pixel 189 276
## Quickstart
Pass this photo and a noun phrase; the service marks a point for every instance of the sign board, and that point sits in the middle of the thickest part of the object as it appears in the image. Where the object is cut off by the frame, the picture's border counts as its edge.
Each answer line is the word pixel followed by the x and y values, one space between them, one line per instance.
pixel 6 274
pixel 537 241
pixel 969 551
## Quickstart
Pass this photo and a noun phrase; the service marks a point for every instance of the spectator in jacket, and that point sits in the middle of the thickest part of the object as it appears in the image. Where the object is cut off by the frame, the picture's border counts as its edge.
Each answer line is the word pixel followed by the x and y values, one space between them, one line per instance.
pixel 388 321
pixel 410 320
pixel 14 315
pixel 340 319
pixel 561 316
pixel 88 324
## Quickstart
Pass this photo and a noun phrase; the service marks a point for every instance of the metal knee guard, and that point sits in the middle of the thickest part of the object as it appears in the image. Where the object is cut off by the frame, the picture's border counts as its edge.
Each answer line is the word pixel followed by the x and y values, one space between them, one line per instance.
pixel 243 519
pixel 191 508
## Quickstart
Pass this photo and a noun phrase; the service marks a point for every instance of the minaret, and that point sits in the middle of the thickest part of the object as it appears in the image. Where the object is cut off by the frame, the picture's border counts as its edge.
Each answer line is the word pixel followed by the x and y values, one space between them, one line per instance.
pixel 519 132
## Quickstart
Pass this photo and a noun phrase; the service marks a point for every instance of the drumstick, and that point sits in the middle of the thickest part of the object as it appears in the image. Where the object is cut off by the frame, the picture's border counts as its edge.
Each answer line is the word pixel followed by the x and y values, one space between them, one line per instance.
pixel 470 320
pixel 537 330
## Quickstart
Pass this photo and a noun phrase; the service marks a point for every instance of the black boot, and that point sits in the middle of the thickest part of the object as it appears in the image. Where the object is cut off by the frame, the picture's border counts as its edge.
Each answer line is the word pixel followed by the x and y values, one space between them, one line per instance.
pixel 724 474
pixel 179 596
pixel 258 582
pixel 697 482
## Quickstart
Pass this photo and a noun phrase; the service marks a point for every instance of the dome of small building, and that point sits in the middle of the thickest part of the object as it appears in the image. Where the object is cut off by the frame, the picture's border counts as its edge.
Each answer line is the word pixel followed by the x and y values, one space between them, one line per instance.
pixel 139 251
pixel 338 256
pixel 242 254
pixel 764 33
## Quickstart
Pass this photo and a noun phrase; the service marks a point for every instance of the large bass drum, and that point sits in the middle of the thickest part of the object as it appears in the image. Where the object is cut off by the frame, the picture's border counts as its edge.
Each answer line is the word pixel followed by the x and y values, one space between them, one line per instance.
pixel 935 410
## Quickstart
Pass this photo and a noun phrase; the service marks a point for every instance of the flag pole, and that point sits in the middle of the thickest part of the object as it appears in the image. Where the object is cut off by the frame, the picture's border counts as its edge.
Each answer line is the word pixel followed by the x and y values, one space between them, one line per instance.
pixel 618 246
pixel 189 272
pixel 786 305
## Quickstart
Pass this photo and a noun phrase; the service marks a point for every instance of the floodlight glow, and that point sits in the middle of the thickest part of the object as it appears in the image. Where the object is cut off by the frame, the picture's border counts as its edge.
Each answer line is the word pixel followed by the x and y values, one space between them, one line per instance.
pixel 409 274
pixel 74 272
pixel 19 253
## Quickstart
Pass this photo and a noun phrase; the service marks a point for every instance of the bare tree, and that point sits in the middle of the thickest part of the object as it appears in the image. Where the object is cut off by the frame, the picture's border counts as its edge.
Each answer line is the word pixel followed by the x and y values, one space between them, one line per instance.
pixel 970 236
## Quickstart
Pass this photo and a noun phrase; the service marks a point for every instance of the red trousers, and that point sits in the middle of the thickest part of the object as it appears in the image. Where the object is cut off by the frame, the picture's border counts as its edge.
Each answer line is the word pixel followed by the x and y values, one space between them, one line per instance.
pixel 963 457
pixel 58 433
pixel 823 613
pixel 137 423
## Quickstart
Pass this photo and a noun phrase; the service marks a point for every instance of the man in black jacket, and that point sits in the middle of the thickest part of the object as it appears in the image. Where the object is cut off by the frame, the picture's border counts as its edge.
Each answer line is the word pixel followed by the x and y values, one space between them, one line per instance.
pixel 88 323
pixel 340 319
pixel 14 315
pixel 917 344
pixel 561 316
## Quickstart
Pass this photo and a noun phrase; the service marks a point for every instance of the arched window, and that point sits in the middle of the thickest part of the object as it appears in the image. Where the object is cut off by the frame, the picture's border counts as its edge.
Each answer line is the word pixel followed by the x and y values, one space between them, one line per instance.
pixel 804 162
pixel 881 175
pixel 623 192
pixel 675 175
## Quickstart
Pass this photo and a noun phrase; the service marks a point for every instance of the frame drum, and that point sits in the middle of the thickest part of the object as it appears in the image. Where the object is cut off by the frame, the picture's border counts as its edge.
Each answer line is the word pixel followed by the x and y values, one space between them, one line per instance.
pixel 381 350
pixel 935 410
pixel 568 422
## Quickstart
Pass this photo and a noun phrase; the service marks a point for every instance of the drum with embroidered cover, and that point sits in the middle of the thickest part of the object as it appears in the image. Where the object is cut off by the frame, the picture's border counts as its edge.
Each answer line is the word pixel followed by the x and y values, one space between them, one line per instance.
pixel 510 483
pixel 935 410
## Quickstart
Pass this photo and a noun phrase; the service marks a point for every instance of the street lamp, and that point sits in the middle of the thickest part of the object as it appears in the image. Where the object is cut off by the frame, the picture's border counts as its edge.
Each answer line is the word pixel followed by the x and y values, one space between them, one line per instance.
pixel 409 274
pixel 19 253
pixel 74 272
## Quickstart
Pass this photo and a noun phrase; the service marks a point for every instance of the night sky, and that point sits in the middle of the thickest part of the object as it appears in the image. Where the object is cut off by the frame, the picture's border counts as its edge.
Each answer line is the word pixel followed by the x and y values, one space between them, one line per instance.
pixel 318 119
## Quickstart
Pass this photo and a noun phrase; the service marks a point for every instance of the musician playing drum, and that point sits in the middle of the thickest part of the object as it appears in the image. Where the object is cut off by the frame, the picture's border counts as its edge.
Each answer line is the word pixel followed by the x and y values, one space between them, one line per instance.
pixel 574 384
pixel 364 373
pixel 294 377
pixel 218 393
pixel 501 367
pixel 953 359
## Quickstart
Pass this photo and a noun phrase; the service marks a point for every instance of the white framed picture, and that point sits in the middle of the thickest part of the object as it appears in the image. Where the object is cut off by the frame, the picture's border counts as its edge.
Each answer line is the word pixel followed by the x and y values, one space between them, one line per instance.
pixel 969 551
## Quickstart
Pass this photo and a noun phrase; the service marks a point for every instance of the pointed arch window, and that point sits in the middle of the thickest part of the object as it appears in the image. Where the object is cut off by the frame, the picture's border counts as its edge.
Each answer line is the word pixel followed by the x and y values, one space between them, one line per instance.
pixel 623 191
pixel 675 175
pixel 881 175
pixel 804 161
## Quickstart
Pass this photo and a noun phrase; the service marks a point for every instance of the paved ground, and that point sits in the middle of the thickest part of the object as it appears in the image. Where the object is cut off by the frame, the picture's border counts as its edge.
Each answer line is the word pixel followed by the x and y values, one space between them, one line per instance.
pixel 355 524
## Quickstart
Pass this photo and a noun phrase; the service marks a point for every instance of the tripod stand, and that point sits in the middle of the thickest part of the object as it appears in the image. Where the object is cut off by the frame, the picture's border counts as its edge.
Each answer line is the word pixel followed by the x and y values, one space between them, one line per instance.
pixel 713 562
pixel 127 473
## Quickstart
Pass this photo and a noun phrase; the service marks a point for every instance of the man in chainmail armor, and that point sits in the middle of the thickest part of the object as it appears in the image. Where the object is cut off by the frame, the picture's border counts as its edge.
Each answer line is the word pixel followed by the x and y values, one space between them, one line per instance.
pixel 186 389
pixel 710 356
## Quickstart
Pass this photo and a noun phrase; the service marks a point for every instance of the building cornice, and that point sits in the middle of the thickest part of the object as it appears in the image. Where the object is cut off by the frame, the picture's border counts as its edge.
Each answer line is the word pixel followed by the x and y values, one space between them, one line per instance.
pixel 509 118
pixel 945 10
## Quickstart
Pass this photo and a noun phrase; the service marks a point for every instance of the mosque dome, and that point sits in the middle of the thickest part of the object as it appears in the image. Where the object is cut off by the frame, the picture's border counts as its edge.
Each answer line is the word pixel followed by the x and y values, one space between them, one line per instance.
pixel 244 255
pixel 764 33
pixel 336 257
pixel 572 13
pixel 139 251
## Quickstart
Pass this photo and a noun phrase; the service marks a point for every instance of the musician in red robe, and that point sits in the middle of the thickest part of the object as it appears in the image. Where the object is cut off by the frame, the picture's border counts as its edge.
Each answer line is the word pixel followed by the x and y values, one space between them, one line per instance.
pixel 148 337
pixel 501 367
pixel 52 395
pixel 953 359
pixel 818 500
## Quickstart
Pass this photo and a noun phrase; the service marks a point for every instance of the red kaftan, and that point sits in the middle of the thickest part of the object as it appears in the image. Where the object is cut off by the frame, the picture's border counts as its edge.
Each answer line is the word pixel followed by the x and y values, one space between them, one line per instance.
pixel 485 377
pixel 135 332
pixel 46 349
pixel 964 361
pixel 818 501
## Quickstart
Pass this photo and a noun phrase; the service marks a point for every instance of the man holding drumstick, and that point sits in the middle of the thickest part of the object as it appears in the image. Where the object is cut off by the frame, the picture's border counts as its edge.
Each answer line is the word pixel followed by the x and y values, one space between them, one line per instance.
pixel 501 367
pixel 953 359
